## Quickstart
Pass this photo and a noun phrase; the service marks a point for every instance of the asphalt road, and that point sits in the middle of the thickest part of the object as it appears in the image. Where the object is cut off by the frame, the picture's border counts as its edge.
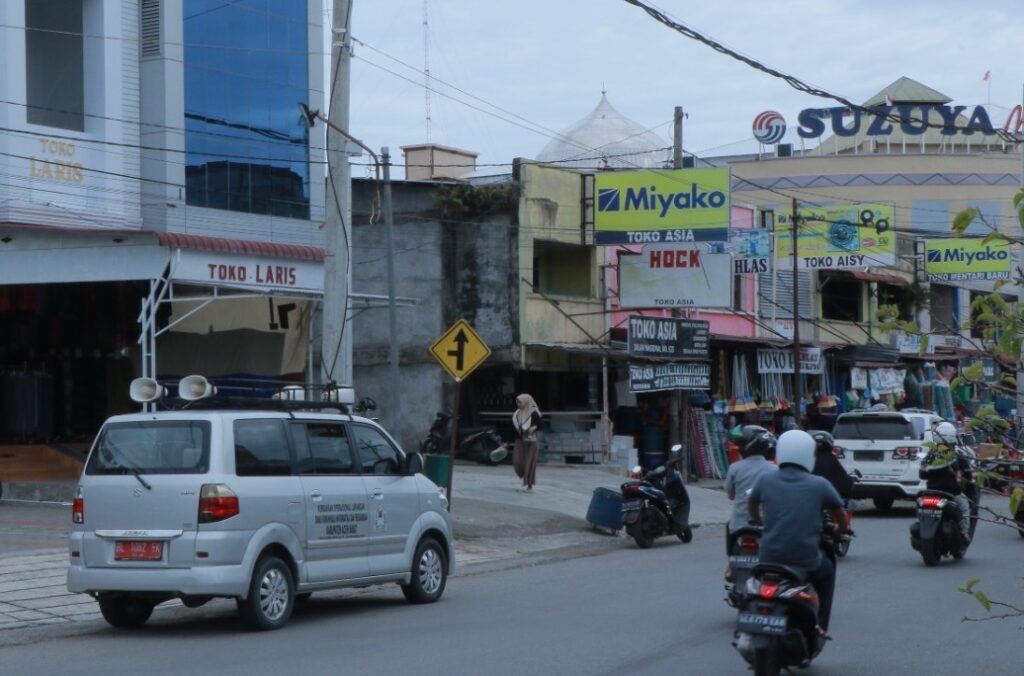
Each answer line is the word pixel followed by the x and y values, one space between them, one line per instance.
pixel 658 611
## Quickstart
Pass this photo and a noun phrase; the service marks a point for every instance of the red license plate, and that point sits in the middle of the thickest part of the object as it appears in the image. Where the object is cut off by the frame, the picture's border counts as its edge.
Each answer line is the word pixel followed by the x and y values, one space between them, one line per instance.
pixel 138 550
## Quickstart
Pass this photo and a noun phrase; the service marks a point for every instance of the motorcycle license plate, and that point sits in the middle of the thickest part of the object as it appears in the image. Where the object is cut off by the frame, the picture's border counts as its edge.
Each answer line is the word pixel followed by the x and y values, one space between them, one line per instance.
pixel 743 560
pixel 756 623
pixel 631 511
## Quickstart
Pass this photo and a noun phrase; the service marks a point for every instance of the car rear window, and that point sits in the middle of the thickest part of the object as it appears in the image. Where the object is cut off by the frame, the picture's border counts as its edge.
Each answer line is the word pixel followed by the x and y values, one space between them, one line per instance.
pixel 878 429
pixel 152 447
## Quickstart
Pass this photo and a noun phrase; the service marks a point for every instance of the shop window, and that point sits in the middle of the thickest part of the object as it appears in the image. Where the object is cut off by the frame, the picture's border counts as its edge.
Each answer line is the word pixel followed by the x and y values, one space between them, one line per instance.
pixel 54 57
pixel 943 306
pixel 840 298
pixel 890 294
pixel 562 269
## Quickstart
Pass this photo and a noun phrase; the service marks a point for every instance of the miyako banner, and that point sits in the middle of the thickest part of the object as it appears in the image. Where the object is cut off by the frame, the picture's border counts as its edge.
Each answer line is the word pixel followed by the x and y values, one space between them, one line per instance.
pixel 675 276
pixel 676 205
pixel 834 238
pixel 965 259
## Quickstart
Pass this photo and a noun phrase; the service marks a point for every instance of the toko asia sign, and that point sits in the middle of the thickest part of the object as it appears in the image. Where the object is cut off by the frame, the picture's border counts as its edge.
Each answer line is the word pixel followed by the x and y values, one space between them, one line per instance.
pixel 835 238
pixel 965 259
pixel 678 205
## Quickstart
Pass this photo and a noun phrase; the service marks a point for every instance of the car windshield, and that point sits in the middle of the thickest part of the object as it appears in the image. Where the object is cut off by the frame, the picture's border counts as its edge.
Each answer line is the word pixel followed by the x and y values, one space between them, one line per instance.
pixel 152 447
pixel 879 429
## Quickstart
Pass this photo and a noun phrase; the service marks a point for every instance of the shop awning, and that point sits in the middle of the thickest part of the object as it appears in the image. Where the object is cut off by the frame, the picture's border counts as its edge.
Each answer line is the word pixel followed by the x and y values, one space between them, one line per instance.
pixel 879 277
pixel 177 240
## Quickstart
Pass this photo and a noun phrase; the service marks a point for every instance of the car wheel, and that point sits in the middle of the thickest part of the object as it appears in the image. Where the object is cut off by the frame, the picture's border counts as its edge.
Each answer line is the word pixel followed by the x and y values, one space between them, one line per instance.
pixel 883 503
pixel 271 596
pixel 429 573
pixel 125 612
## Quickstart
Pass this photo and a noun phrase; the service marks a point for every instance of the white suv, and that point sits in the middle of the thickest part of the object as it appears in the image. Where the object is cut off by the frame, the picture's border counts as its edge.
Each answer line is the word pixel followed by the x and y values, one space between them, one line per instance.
pixel 262 506
pixel 885 448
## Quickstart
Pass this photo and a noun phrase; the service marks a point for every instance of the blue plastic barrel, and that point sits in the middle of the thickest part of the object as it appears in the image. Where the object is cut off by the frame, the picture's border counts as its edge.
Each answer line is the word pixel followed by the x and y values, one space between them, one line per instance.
pixel 605 509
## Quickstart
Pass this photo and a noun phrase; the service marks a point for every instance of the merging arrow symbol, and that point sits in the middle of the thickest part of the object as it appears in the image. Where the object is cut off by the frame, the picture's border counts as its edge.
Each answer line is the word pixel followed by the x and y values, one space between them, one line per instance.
pixel 460 351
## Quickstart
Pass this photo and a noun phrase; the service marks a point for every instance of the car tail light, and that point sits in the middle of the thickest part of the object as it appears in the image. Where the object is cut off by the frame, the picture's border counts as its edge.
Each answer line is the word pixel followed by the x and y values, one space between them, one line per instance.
pixel 931 502
pixel 838 452
pixel 904 453
pixel 216 503
pixel 749 544
pixel 78 507
pixel 768 590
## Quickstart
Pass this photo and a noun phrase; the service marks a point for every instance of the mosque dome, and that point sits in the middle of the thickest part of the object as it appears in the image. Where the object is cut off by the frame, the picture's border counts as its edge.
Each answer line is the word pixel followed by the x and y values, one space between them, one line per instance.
pixel 607 139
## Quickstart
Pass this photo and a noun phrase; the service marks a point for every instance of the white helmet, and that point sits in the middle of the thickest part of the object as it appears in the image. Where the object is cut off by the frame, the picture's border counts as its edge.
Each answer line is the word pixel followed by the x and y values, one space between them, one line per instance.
pixel 945 433
pixel 796 447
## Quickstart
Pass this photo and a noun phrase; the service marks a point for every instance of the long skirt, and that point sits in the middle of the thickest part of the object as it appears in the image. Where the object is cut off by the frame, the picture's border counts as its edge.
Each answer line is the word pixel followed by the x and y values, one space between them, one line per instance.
pixel 524 460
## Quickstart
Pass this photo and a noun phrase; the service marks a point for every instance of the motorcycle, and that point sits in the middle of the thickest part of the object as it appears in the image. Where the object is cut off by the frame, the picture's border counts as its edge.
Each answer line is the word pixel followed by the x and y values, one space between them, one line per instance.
pixel 777 622
pixel 744 544
pixel 657 504
pixel 936 533
pixel 481 444
pixel 841 544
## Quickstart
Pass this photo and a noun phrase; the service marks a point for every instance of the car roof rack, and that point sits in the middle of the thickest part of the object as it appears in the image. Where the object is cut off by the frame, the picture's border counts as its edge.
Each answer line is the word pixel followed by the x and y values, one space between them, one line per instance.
pixel 917 410
pixel 243 403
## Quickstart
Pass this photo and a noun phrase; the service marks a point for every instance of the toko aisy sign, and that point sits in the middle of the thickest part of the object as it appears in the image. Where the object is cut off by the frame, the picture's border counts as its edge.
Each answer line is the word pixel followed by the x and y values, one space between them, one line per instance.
pixel 670 206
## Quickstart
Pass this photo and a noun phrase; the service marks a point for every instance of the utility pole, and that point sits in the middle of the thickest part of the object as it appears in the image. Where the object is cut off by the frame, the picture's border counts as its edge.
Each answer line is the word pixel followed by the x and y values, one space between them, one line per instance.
pixel 395 412
pixel 675 431
pixel 337 341
pixel 798 393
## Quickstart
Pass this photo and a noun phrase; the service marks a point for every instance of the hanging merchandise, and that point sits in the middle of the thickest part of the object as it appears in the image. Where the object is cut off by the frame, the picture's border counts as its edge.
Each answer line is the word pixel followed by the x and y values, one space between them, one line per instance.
pixel 709 452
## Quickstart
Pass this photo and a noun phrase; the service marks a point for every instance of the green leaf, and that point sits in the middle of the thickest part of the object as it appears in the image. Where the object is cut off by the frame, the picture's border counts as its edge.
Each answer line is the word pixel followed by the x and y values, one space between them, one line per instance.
pixel 925 344
pixel 994 235
pixel 1015 497
pixel 973 581
pixel 1017 198
pixel 974 372
pixel 986 412
pixel 983 600
pixel 999 283
pixel 964 219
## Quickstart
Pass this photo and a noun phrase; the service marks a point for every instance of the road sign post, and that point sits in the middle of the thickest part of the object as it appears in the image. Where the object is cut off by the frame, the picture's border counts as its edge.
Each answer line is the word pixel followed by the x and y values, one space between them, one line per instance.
pixel 460 350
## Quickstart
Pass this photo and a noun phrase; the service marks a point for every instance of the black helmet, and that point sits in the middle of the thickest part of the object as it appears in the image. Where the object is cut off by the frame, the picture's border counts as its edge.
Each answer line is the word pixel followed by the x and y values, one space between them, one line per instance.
pixel 756 440
pixel 823 443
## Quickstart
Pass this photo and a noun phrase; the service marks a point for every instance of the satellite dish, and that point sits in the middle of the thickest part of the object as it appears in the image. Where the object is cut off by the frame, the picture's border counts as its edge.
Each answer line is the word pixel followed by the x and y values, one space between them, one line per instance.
pixel 145 390
pixel 191 388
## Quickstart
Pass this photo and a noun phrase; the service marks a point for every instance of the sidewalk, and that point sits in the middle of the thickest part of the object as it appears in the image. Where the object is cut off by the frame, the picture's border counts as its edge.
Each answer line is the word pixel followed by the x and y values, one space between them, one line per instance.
pixel 494 525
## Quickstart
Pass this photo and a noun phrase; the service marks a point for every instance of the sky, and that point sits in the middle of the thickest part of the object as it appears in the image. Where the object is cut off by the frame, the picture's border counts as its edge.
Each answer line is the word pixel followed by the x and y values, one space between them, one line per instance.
pixel 508 75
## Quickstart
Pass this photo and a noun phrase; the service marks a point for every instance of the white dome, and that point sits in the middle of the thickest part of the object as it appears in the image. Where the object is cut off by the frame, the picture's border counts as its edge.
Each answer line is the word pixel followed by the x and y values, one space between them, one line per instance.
pixel 607 139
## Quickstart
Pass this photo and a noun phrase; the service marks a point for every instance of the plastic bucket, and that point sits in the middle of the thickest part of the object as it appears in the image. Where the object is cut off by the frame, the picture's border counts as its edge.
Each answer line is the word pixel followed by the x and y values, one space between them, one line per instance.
pixel 605 509
pixel 435 467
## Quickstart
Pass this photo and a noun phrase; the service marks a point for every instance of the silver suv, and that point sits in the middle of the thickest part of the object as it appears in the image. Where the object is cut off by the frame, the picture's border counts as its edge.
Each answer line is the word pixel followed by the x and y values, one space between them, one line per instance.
pixel 265 507
pixel 885 448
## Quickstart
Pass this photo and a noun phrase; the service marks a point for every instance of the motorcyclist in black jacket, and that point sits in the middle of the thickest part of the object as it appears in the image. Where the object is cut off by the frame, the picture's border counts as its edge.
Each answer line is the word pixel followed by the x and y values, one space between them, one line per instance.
pixel 945 469
pixel 828 466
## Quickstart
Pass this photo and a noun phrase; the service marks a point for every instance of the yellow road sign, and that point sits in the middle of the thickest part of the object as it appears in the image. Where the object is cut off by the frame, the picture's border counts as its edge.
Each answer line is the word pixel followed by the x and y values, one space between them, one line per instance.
pixel 460 350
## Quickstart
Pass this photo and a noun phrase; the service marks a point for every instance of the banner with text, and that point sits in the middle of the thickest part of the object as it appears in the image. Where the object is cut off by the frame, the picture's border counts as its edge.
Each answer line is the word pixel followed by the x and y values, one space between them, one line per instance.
pixel 835 238
pixel 781 361
pixel 676 205
pixel 667 337
pixel 669 377
pixel 677 275
pixel 966 259
pixel 751 250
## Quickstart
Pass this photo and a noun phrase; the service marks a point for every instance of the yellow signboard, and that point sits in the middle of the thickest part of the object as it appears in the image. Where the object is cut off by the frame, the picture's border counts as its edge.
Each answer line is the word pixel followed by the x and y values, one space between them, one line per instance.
pixel 670 206
pixel 837 237
pixel 965 259
pixel 460 350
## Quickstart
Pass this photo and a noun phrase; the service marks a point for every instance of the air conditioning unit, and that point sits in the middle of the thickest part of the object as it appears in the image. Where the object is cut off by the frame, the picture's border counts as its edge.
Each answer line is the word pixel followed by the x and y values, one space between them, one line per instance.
pixel 947 341
pixel 784 150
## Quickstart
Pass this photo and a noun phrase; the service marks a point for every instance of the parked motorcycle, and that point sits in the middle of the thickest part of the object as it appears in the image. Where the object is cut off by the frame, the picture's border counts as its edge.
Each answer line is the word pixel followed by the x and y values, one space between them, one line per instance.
pixel 936 533
pixel 481 444
pixel 777 622
pixel 744 544
pixel 658 504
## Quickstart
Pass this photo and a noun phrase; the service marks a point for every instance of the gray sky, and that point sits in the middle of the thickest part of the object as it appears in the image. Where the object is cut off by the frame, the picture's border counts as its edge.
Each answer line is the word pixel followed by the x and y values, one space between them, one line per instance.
pixel 530 68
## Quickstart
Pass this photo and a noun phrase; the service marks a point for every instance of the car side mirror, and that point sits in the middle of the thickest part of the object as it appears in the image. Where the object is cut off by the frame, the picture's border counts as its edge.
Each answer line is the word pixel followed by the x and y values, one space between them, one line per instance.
pixel 413 464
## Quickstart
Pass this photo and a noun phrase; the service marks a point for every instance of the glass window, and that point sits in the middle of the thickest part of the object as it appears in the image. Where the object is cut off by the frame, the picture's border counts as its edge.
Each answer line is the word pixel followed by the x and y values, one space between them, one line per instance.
pixel 54 70
pixel 840 297
pixel 261 448
pixel 895 428
pixel 376 454
pixel 246 70
pixel 329 450
pixel 152 447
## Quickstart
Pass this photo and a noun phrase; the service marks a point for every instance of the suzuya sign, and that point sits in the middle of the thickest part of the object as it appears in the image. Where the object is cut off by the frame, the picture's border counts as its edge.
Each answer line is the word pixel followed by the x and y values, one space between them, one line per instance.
pixel 781 361
pixel 677 205
pixel 834 238
pixel 910 119
pixel 965 259
pixel 675 276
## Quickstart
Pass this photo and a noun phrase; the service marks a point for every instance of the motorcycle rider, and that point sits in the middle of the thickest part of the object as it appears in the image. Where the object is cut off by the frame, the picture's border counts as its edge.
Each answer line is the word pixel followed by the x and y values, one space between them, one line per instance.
pixel 790 503
pixel 945 469
pixel 828 466
pixel 756 445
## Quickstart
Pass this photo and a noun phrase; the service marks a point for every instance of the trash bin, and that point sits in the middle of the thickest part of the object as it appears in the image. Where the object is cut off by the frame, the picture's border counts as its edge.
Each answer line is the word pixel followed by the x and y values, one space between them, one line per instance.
pixel 605 511
pixel 435 467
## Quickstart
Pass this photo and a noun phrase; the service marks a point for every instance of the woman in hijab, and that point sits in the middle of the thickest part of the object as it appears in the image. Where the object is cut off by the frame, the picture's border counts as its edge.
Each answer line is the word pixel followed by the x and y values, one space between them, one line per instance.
pixel 526 422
